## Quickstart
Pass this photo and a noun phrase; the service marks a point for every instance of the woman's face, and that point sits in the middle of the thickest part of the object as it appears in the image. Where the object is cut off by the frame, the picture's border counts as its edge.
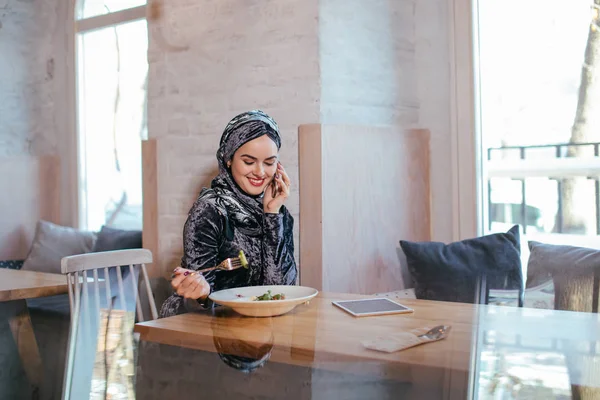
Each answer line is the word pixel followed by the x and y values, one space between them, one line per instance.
pixel 254 164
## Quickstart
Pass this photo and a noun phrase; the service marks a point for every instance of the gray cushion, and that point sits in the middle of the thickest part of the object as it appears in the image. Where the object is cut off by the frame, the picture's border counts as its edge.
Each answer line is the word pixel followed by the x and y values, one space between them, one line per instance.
pixel 539 266
pixel 117 239
pixel 53 242
pixel 449 272
pixel 547 260
pixel 571 268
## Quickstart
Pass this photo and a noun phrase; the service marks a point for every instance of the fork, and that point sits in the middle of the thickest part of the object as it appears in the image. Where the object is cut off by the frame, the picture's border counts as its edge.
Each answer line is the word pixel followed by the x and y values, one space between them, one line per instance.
pixel 436 333
pixel 229 264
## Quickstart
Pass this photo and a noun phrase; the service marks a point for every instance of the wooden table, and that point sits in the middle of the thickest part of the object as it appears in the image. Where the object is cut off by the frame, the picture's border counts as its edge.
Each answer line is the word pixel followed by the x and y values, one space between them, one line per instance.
pixel 19 285
pixel 320 331
pixel 320 335
pixel 15 288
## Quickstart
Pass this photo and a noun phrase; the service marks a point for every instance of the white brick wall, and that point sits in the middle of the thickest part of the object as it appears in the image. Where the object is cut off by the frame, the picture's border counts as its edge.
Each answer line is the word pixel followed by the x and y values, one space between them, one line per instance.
pixel 302 61
pixel 33 57
pixel 28 64
pixel 367 51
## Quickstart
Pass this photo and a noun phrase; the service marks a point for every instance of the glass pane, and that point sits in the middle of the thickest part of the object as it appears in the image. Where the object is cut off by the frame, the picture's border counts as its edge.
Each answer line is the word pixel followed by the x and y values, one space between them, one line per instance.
pixel 539 112
pixel 530 73
pixel 112 73
pixel 93 8
pixel 543 209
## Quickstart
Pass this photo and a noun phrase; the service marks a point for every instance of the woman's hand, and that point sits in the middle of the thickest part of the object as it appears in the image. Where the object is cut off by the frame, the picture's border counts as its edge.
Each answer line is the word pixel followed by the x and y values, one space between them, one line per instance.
pixel 272 203
pixel 190 284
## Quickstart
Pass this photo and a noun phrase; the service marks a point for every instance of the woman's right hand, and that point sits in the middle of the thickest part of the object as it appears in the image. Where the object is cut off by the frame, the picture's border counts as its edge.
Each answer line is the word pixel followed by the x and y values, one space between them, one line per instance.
pixel 190 284
pixel 272 202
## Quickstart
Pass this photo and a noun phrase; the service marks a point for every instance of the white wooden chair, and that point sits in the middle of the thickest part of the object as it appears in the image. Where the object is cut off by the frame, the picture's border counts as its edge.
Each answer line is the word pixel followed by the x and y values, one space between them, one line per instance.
pixel 114 278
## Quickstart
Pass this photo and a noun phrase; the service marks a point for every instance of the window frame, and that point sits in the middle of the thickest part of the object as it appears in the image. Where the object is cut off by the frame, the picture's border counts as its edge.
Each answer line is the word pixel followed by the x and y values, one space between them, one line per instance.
pixel 465 133
pixel 110 19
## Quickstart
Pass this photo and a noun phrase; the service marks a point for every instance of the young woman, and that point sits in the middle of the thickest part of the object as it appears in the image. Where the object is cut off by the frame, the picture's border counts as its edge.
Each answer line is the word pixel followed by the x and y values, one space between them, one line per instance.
pixel 243 210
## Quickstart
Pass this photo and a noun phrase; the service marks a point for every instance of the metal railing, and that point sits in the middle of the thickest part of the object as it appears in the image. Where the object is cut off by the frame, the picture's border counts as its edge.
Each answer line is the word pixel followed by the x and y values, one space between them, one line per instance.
pixel 557 168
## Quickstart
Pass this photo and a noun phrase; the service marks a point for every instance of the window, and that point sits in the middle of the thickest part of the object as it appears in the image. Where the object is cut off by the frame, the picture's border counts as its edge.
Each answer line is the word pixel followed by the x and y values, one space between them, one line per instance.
pixel 539 115
pixel 112 69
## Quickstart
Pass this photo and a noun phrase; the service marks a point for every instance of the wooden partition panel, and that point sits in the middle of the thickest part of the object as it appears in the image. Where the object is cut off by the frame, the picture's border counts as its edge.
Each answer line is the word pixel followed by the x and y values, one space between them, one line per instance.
pixel 150 204
pixel 30 192
pixel 362 189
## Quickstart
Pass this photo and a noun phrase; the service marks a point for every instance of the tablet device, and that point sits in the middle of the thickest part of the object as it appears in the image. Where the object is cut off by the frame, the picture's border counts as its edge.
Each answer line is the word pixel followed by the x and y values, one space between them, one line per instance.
pixel 376 306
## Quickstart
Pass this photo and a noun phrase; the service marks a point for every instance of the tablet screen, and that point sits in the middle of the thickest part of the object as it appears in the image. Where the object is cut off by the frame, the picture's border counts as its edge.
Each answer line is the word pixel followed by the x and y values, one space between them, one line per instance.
pixel 372 306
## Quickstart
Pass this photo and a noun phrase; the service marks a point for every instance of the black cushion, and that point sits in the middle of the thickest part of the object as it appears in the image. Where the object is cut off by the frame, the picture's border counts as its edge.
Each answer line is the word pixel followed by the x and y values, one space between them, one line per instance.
pixel 11 264
pixel 450 272
pixel 117 239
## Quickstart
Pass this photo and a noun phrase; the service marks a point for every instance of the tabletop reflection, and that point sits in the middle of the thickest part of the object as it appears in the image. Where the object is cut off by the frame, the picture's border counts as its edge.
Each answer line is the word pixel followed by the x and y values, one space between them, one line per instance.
pixel 245 346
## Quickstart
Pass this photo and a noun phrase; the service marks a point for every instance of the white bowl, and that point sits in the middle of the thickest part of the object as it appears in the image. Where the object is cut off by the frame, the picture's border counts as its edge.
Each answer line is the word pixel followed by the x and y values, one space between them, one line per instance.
pixel 240 299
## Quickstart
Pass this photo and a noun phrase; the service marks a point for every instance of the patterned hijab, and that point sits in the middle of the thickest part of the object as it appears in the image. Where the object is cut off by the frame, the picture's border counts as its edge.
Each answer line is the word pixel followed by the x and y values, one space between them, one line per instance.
pixel 245 210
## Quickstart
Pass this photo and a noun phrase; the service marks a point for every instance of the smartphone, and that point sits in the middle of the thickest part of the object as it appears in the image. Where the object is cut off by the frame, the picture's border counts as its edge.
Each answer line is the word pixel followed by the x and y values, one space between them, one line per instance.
pixel 274 188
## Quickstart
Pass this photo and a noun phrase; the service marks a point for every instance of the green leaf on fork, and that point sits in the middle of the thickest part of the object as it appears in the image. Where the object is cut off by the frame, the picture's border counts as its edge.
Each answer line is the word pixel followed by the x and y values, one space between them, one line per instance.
pixel 243 259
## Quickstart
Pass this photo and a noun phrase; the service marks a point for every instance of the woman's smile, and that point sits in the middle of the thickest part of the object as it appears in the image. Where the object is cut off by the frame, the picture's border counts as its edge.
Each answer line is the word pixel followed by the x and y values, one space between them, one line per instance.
pixel 257 182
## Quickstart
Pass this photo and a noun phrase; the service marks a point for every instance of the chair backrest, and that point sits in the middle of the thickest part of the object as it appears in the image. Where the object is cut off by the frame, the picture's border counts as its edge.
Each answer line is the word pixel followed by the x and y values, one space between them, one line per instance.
pixel 76 268
pixel 100 312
